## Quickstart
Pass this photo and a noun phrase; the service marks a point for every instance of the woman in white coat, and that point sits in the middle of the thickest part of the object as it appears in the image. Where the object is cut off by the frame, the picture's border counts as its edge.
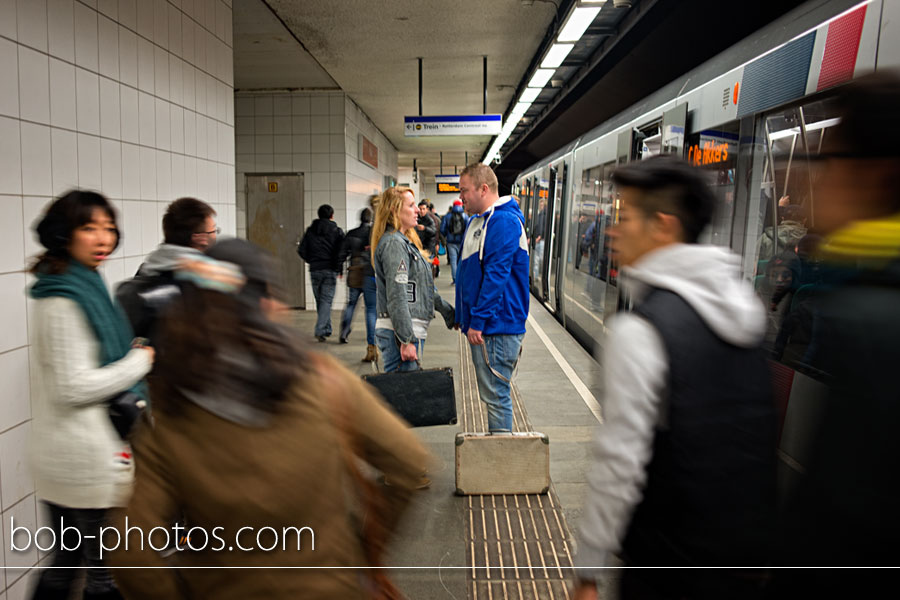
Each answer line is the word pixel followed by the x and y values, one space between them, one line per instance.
pixel 83 356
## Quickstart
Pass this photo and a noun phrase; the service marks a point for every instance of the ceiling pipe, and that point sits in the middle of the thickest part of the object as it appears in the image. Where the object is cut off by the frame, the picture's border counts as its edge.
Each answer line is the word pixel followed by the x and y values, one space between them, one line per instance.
pixel 420 86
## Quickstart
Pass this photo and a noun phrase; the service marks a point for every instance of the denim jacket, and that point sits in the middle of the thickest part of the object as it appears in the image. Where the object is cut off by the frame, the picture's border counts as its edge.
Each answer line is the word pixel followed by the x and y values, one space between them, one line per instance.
pixel 405 286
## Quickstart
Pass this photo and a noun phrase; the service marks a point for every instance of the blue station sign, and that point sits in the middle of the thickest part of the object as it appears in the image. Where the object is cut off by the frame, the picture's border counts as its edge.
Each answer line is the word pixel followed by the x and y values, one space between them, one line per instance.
pixel 452 125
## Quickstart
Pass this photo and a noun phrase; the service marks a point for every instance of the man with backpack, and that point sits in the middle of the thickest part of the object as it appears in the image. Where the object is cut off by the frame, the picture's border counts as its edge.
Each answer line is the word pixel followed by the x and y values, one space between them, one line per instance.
pixel 453 228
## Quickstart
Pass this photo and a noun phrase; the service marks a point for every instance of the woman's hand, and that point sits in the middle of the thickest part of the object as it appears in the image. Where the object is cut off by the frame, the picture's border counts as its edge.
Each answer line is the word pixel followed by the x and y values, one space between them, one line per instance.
pixel 151 351
pixel 408 352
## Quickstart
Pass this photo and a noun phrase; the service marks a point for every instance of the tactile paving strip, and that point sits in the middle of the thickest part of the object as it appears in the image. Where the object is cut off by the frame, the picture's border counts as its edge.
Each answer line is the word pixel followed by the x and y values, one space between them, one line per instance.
pixel 519 547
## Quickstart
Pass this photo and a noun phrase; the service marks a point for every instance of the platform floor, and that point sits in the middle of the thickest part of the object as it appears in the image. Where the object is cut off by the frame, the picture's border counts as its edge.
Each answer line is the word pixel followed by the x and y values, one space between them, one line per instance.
pixel 443 536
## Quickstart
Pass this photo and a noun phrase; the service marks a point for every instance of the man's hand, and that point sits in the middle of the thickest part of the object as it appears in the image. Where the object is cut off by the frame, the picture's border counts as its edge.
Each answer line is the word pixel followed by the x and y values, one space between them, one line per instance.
pixel 475 337
pixel 408 352
pixel 420 227
pixel 584 591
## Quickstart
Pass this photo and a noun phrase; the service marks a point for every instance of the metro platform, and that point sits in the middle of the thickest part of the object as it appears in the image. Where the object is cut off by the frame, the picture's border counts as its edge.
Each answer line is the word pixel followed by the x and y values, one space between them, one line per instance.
pixel 504 546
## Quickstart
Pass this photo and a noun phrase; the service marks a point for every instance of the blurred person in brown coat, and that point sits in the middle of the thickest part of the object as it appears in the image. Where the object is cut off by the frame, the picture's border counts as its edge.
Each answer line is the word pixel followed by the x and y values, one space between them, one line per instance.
pixel 255 444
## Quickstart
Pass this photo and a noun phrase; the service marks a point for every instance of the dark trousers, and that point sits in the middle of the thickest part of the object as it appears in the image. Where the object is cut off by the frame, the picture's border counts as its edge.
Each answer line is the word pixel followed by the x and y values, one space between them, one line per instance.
pixel 86 552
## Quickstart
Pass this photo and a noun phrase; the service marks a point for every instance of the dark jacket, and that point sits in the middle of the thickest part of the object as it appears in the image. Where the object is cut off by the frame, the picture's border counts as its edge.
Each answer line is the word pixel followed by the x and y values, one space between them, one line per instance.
pixel 709 499
pixel 321 244
pixel 851 482
pixel 356 247
pixel 427 235
pixel 154 286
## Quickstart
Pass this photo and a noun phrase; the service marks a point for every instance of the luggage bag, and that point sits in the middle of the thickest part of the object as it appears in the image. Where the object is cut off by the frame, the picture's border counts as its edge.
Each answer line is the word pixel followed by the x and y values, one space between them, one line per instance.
pixel 514 463
pixel 423 398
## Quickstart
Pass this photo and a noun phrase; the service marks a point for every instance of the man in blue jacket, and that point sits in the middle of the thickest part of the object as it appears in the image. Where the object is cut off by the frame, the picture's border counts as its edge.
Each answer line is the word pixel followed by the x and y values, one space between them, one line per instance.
pixel 453 228
pixel 492 289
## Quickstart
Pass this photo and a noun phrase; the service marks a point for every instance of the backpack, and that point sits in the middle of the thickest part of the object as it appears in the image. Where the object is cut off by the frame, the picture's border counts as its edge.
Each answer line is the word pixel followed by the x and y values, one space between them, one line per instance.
pixel 457 224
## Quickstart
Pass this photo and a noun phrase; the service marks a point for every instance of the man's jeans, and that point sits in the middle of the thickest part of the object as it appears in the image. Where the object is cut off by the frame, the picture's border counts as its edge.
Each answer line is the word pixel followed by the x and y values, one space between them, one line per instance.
pixel 453 259
pixel 368 294
pixel 390 352
pixel 323 283
pixel 503 354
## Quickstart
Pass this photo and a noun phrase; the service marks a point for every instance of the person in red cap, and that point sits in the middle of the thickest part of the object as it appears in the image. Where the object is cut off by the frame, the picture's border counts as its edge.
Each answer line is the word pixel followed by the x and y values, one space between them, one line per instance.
pixel 453 228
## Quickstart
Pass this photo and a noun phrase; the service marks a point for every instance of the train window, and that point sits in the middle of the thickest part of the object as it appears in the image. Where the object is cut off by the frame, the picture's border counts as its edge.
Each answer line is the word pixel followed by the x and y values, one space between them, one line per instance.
pixel 715 152
pixel 782 210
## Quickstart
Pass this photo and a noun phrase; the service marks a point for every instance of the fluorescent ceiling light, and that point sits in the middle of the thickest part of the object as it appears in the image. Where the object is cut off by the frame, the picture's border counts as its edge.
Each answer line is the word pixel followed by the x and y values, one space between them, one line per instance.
pixel 593 1
pixel 577 23
pixel 520 108
pixel 540 78
pixel 777 135
pixel 529 95
pixel 556 55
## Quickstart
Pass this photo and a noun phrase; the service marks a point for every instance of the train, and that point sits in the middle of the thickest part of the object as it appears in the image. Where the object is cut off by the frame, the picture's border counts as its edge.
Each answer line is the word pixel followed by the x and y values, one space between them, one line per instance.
pixel 751 118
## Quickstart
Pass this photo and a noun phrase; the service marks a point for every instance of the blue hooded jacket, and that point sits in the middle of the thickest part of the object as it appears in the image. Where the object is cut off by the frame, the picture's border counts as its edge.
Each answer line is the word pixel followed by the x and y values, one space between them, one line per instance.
pixel 492 278
pixel 445 225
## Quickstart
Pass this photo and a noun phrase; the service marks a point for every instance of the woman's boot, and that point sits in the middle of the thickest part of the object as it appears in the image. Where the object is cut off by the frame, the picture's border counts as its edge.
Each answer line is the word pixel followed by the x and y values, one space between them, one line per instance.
pixel 371 354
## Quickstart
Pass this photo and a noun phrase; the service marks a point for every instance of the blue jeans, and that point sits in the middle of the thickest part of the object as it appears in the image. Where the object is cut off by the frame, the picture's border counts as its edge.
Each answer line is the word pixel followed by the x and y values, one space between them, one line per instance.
pixel 453 259
pixel 323 283
pixel 503 354
pixel 390 352
pixel 368 294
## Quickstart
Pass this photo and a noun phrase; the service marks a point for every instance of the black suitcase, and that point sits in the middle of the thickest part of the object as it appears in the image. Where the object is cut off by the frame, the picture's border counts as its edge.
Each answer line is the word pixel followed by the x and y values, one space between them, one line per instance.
pixel 423 398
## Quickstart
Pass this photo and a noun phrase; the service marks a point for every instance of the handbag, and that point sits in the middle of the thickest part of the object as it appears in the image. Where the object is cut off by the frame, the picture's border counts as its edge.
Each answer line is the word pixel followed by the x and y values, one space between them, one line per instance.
pixel 124 411
pixel 422 398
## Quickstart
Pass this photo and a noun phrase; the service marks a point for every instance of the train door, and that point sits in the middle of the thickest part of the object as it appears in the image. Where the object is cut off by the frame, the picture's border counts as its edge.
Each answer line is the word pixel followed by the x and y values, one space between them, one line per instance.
pixel 555 239
pixel 539 234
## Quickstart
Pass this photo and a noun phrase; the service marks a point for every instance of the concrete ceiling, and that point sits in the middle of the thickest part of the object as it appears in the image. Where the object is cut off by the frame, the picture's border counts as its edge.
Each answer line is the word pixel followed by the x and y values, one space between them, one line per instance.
pixel 266 55
pixel 369 49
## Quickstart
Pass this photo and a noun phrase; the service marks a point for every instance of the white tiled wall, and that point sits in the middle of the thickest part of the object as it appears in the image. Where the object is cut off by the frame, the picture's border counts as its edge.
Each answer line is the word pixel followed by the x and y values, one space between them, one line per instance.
pixel 315 134
pixel 133 98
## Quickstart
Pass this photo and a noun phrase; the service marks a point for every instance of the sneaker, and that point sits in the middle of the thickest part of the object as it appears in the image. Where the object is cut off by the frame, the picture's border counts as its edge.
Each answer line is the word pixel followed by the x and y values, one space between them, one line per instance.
pixel 343 340
pixel 321 338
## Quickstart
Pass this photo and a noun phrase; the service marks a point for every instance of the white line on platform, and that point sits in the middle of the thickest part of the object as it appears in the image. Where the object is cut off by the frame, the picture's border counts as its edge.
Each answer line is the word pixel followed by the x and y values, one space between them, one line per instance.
pixel 580 387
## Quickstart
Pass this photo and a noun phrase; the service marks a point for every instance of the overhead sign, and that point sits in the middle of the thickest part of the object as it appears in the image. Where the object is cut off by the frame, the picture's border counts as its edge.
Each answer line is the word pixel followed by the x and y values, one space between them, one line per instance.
pixel 447 184
pixel 452 125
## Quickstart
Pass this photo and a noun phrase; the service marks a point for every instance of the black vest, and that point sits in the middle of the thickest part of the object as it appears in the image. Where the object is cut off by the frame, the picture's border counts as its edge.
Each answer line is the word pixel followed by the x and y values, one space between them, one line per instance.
pixel 710 492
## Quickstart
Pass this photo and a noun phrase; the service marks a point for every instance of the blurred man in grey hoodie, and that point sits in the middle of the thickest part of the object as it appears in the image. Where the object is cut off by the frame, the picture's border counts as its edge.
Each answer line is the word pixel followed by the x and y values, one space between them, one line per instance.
pixel 189 228
pixel 684 469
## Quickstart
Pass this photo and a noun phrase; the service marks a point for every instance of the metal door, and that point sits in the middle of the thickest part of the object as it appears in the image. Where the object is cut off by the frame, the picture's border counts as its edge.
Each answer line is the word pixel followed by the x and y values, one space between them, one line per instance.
pixel 275 222
pixel 555 240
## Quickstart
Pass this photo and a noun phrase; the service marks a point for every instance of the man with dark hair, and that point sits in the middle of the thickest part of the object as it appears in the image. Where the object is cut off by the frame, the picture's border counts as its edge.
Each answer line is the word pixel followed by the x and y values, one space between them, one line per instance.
pixel 425 228
pixel 189 228
pixel 319 248
pixel 684 469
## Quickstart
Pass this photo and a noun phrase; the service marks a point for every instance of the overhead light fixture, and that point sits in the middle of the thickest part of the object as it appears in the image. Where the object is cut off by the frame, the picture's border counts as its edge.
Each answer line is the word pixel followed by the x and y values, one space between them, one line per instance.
pixel 593 1
pixel 530 95
pixel 540 78
pixel 520 108
pixel 577 23
pixel 556 55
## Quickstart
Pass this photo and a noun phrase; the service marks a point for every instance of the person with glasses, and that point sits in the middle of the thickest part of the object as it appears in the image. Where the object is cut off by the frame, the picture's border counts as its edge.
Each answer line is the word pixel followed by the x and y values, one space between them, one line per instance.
pixel 189 229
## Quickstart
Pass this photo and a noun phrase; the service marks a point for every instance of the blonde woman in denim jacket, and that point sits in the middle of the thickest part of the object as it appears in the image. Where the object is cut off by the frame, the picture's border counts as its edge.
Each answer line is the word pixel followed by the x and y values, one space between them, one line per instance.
pixel 406 297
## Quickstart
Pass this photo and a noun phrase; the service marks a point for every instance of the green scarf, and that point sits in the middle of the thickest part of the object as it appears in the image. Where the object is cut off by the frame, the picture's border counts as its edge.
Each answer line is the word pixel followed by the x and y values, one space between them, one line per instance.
pixel 86 288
